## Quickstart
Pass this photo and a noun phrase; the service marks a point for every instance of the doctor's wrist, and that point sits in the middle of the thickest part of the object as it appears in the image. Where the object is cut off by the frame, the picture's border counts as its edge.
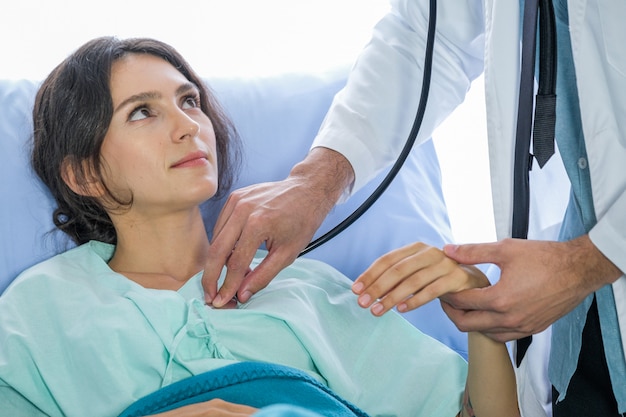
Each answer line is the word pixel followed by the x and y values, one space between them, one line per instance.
pixel 595 266
pixel 326 174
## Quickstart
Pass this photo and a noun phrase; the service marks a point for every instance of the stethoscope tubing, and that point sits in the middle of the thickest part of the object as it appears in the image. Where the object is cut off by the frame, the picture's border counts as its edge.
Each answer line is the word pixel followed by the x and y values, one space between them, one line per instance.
pixel 406 150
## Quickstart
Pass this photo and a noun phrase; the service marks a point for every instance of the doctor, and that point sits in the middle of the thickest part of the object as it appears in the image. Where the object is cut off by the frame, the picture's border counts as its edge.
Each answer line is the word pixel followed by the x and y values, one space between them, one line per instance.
pixel 576 283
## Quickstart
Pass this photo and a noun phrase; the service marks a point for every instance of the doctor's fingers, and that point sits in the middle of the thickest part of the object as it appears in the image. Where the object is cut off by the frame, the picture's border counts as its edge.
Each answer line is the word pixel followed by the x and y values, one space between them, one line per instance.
pixel 501 335
pixel 480 321
pixel 220 254
pixel 284 239
pixel 233 247
pixel 479 253
pixel 499 326
pixel 275 261
pixel 483 299
pixel 226 234
pixel 244 218
pixel 239 277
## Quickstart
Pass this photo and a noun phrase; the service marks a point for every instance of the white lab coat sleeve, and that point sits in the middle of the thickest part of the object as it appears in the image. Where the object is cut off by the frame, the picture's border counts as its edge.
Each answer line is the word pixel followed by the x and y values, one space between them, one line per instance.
pixel 597 45
pixel 609 236
pixel 597 30
pixel 370 119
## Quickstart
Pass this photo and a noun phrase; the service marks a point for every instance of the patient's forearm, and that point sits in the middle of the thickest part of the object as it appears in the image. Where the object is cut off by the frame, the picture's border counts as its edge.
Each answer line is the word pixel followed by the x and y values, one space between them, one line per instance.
pixel 490 380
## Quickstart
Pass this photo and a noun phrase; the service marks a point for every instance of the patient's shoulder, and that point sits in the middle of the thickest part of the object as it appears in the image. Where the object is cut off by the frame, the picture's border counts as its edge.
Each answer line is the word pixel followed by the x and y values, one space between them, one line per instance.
pixel 76 268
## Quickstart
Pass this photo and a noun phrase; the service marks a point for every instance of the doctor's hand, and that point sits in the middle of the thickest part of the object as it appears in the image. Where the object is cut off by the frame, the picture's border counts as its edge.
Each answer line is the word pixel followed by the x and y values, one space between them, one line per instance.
pixel 540 282
pixel 284 215
pixel 411 276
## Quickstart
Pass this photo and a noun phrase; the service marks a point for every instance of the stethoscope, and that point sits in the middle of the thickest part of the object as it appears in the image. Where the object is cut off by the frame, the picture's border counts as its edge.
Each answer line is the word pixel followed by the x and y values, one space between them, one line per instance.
pixel 408 146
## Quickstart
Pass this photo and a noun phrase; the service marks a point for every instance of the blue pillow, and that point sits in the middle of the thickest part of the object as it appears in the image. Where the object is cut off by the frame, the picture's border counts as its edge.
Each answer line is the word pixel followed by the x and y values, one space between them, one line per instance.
pixel 26 207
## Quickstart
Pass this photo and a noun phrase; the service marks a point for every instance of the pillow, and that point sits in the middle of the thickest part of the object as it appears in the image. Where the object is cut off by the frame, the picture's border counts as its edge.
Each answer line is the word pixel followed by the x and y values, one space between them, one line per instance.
pixel 26 207
pixel 277 118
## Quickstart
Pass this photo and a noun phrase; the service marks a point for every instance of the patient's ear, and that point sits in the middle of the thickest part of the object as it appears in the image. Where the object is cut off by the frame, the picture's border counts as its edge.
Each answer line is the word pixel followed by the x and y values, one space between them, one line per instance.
pixel 82 180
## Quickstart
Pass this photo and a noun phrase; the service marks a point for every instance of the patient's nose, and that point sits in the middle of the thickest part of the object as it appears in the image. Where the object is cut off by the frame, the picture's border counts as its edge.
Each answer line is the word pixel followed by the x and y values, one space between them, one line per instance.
pixel 184 127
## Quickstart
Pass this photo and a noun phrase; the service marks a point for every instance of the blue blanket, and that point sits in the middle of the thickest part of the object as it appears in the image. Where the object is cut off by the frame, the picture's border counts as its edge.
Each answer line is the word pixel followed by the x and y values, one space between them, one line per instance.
pixel 251 383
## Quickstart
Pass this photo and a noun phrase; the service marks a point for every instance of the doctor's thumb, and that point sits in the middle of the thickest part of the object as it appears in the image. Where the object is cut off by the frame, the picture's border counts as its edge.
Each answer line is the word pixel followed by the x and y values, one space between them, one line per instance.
pixel 470 254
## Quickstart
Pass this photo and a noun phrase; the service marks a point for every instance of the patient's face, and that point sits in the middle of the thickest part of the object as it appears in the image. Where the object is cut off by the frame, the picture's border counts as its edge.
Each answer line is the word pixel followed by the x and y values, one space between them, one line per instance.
pixel 160 146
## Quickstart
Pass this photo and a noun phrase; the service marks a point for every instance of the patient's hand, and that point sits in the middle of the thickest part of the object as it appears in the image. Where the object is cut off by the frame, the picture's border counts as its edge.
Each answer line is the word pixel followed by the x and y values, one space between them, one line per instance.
pixel 212 408
pixel 411 276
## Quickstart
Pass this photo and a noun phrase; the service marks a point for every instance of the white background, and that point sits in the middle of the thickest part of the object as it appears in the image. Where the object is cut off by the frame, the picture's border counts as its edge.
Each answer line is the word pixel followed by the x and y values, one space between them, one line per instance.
pixel 250 38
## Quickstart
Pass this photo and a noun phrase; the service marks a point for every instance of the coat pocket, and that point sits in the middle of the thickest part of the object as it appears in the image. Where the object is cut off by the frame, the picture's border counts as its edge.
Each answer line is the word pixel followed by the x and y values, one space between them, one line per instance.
pixel 613 23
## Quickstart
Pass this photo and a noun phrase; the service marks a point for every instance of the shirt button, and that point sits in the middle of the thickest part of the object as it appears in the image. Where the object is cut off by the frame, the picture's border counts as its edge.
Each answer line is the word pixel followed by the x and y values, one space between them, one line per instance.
pixel 582 163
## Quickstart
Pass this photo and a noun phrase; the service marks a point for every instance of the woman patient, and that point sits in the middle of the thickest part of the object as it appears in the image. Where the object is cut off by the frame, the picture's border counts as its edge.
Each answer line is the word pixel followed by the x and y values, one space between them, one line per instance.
pixel 130 143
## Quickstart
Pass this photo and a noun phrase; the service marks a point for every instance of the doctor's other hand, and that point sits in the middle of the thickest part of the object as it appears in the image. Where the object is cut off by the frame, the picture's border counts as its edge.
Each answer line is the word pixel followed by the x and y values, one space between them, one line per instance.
pixel 540 282
pixel 283 215
pixel 411 276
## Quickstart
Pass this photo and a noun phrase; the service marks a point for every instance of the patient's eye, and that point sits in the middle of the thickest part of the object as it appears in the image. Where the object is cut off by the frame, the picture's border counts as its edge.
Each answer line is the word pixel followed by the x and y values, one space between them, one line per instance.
pixel 191 101
pixel 139 113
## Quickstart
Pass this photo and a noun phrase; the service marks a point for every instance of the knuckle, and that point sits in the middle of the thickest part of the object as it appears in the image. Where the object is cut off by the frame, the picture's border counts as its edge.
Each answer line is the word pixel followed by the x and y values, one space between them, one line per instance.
pixel 386 261
pixel 414 302
pixel 236 266
pixel 528 326
pixel 505 243
pixel 419 246
pixel 218 249
pixel 256 218
pixel 515 322
pixel 500 304
pixel 431 250
pixel 395 270
pixel 376 290
pixel 234 197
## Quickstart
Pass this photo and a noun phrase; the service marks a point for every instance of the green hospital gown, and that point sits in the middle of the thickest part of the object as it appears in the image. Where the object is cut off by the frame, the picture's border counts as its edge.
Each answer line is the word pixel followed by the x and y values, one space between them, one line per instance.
pixel 79 339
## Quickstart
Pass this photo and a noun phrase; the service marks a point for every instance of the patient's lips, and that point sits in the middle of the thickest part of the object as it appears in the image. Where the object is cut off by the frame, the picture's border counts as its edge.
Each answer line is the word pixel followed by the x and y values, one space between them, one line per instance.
pixel 192 159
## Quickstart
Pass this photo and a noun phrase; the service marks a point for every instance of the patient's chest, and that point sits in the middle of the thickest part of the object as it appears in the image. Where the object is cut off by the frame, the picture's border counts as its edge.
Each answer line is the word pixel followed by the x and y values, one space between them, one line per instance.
pixel 192 337
pixel 133 347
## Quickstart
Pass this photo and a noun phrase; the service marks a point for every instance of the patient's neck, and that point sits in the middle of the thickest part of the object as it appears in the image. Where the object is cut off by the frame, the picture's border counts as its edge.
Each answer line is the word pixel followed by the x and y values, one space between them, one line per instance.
pixel 161 252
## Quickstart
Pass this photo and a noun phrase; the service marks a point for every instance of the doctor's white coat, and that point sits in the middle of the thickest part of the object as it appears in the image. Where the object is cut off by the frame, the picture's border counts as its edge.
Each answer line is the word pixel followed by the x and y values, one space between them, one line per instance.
pixel 370 119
